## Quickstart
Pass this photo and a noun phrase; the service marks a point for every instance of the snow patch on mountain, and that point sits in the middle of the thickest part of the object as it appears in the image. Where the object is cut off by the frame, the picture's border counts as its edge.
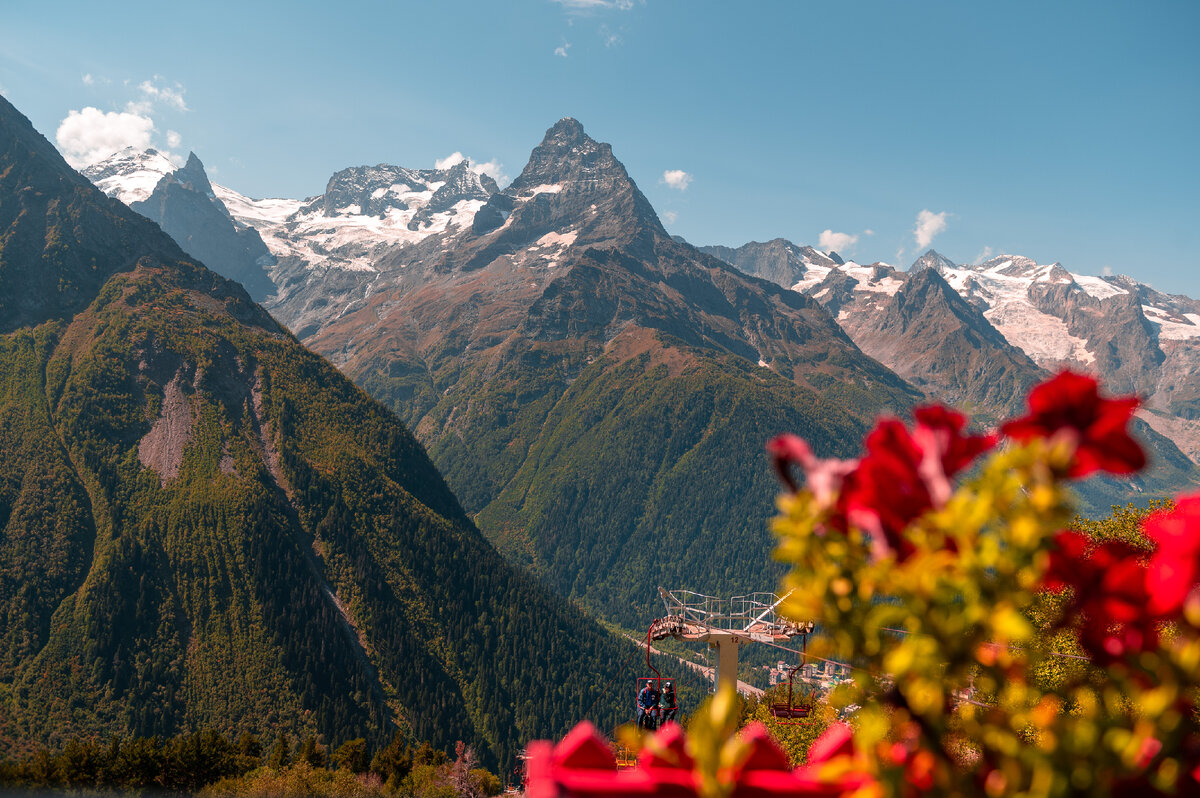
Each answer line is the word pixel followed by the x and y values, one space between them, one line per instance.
pixel 364 212
pixel 1045 338
pixel 131 174
pixel 1173 326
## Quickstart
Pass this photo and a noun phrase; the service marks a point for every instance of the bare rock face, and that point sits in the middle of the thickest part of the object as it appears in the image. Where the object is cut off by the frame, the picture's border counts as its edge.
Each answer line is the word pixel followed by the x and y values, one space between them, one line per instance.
pixel 1117 333
pixel 161 449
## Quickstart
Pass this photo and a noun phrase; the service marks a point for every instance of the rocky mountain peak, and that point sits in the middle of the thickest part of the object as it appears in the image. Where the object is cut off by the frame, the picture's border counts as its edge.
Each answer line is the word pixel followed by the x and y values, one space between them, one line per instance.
pixel 568 153
pixel 193 176
pixel 933 259
pixel 565 132
pixel 1011 265
pixel 571 181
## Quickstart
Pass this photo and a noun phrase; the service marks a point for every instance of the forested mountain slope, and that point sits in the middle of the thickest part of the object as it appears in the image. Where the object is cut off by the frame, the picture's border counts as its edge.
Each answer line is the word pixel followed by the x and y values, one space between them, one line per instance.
pixel 203 523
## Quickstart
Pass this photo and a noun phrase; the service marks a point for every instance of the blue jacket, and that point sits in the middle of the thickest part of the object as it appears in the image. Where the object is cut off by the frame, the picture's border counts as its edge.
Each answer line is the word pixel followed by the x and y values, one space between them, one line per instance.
pixel 648 698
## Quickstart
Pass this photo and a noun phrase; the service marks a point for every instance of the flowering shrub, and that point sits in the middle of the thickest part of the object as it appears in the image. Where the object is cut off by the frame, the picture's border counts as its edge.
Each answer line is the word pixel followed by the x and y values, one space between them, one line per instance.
pixel 958 607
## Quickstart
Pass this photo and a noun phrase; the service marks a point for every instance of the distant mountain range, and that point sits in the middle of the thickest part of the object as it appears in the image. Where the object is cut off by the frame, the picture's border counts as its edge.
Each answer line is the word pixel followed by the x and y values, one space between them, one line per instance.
pixel 202 523
pixel 1137 339
pixel 597 393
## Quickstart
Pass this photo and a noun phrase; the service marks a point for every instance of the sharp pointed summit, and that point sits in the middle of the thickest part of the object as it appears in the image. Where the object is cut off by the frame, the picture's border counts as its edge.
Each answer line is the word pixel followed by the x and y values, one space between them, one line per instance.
pixel 932 259
pixel 570 181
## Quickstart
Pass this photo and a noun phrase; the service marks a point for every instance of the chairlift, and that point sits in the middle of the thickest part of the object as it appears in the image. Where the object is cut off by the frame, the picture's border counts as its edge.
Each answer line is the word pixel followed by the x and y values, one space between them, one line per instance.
pixel 798 709
pixel 651 718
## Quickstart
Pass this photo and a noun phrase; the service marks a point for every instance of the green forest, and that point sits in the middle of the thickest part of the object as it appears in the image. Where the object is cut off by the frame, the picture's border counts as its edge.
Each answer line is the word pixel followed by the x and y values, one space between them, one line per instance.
pixel 204 525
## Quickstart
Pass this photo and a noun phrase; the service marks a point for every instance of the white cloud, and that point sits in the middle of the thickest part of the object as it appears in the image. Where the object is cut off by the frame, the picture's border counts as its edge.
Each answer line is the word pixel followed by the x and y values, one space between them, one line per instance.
pixel 1107 271
pixel 493 168
pixel 88 80
pixel 609 38
pixel 868 232
pixel 450 160
pixel 166 95
pixel 983 255
pixel 841 242
pixel 173 139
pixel 561 51
pixel 929 224
pixel 676 179
pixel 670 216
pixel 90 135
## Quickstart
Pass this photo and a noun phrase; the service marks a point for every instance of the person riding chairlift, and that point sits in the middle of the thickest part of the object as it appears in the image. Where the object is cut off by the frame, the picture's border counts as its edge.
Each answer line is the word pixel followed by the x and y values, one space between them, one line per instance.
pixel 647 703
pixel 667 705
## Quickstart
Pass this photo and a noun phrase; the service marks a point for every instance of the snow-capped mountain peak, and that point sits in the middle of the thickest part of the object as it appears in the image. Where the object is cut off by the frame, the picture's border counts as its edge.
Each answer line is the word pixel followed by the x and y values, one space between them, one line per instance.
pixel 131 174
pixel 364 209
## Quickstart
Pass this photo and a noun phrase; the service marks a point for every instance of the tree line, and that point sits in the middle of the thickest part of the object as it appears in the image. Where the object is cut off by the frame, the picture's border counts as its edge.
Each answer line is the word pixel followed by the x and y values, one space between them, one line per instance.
pixel 208 763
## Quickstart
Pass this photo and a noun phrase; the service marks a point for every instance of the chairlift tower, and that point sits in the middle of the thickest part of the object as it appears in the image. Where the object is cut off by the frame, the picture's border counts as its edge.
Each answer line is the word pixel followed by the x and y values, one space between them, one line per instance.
pixel 726 625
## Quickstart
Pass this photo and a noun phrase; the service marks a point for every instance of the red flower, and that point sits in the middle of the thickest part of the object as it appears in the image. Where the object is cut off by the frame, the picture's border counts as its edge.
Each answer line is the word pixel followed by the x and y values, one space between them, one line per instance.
pixel 956 450
pixel 1175 565
pixel 887 492
pixel 1111 595
pixel 902 475
pixel 822 477
pixel 1070 404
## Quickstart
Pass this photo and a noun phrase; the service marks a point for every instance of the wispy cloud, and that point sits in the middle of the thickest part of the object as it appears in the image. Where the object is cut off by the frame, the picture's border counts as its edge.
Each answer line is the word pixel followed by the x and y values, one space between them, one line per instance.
pixel 669 217
pixel 90 135
pixel 983 255
pixel 840 242
pixel 929 225
pixel 153 94
pixel 88 80
pixel 609 38
pixel 561 50
pixel 592 6
pixel 676 179
pixel 173 139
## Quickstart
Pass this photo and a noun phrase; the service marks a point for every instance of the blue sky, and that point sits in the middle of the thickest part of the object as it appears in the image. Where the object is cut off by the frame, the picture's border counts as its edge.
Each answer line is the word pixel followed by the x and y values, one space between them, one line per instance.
pixel 1062 131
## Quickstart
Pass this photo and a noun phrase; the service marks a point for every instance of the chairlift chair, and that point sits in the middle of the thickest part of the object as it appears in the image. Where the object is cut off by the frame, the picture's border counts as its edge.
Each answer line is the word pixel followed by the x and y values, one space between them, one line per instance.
pixel 658 681
pixel 795 710
pixel 798 708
